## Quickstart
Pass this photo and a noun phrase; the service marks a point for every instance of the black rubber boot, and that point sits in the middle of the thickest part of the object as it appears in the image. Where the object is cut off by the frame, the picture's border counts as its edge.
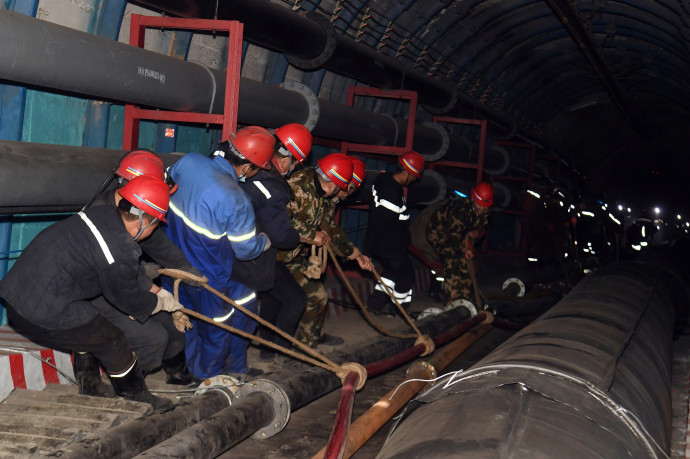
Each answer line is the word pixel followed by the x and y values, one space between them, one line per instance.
pixel 88 375
pixel 177 372
pixel 133 387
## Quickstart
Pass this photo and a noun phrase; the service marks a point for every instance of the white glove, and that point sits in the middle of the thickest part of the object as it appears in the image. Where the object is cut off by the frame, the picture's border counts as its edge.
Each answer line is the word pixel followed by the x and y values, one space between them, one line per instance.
pixel 166 302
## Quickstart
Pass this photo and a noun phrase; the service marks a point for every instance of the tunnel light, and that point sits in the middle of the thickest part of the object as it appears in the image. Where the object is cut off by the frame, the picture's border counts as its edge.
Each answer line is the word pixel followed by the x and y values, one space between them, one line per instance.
pixel 644 232
pixel 565 255
pixel 459 193
pixel 643 243
pixel 534 193
pixel 440 279
pixel 532 259
pixel 561 194
pixel 678 216
pixel 572 207
pixel 588 213
pixel 636 247
pixel 614 219
pixel 561 203
pixel 586 250
pixel 620 207
pixel 657 210
pixel 629 210
pixel 586 271
pixel 433 272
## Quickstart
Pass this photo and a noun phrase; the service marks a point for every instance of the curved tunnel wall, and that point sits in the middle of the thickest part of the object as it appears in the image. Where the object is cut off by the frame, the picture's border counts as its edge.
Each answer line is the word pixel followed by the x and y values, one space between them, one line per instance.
pixel 590 378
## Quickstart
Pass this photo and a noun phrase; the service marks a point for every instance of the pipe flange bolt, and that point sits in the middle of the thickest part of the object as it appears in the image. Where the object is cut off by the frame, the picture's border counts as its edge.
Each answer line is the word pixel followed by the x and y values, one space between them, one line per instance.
pixel 221 383
pixel 281 405
pixel 311 99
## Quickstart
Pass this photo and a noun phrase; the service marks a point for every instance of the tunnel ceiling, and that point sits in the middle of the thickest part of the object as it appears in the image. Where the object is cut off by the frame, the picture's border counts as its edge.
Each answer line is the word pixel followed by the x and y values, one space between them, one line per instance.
pixel 601 83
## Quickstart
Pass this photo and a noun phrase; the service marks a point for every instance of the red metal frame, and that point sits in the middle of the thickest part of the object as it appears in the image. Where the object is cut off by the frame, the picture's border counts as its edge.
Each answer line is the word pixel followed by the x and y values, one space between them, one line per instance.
pixel 353 91
pixel 479 166
pixel 134 114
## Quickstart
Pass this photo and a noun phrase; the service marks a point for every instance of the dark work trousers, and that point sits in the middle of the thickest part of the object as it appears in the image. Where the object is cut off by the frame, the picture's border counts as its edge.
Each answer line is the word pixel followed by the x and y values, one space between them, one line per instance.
pixel 153 341
pixel 282 305
pixel 397 268
pixel 98 336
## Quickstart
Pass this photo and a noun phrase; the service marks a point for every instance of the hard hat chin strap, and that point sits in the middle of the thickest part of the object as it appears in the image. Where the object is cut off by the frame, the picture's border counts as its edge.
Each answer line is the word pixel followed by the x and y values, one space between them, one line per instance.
pixel 141 223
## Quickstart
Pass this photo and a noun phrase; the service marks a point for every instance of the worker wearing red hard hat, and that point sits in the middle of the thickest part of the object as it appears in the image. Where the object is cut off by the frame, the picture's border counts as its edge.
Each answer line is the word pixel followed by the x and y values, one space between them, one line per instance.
pixel 312 188
pixel 211 219
pixel 282 299
pixel 388 236
pixel 159 341
pixel 84 256
pixel 452 232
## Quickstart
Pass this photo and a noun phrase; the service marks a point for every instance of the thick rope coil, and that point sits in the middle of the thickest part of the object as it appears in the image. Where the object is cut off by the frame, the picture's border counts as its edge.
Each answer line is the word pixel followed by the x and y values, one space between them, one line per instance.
pixel 427 342
pixel 347 367
pixel 317 264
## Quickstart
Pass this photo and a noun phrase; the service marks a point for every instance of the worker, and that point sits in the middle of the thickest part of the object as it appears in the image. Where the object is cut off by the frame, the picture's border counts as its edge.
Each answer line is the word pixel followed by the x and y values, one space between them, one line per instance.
pixel 49 289
pixel 213 222
pixel 388 236
pixel 312 188
pixel 157 342
pixel 283 303
pixel 339 239
pixel 452 232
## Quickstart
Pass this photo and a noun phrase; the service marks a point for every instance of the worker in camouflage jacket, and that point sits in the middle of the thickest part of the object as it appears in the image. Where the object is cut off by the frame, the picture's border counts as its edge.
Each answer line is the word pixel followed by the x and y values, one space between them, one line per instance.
pixel 312 188
pixel 451 231
pixel 339 241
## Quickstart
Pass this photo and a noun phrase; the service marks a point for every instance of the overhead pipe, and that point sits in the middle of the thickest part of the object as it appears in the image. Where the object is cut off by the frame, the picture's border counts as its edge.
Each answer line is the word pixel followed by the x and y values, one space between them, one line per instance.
pixel 310 42
pixel 596 366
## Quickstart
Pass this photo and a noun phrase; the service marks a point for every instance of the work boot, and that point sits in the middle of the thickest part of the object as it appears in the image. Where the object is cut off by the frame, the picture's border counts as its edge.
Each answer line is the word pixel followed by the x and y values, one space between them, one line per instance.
pixel 88 375
pixel 132 386
pixel 177 372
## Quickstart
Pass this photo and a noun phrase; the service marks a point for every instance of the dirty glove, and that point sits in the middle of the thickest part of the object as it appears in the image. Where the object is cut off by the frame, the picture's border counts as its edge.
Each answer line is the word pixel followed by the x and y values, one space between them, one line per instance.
pixel 151 270
pixel 166 302
pixel 181 321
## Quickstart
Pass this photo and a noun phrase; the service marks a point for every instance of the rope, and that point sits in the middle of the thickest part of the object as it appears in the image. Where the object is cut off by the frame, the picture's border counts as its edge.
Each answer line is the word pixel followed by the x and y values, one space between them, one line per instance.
pixel 322 362
pixel 317 263
pixel 473 276
pixel 370 318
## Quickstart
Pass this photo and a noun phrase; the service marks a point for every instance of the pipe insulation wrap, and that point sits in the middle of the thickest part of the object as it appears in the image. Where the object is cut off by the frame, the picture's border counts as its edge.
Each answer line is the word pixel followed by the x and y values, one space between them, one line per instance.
pixel 40 53
pixel 590 378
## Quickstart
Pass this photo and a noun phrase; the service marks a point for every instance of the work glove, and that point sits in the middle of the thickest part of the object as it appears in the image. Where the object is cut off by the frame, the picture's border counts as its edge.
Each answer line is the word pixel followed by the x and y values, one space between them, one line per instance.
pixel 151 270
pixel 166 302
pixel 268 241
pixel 181 321
pixel 195 272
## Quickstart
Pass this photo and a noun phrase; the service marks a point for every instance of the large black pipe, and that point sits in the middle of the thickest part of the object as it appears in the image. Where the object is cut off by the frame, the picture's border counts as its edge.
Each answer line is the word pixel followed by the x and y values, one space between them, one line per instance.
pixel 40 53
pixel 590 378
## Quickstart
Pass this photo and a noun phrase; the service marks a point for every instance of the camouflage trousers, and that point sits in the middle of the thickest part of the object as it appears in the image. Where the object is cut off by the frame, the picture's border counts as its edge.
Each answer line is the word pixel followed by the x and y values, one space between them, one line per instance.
pixel 457 282
pixel 309 328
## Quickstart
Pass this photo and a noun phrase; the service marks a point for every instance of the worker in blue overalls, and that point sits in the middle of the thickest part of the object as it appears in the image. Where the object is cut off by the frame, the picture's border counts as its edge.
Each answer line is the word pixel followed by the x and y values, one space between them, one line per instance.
pixel 212 221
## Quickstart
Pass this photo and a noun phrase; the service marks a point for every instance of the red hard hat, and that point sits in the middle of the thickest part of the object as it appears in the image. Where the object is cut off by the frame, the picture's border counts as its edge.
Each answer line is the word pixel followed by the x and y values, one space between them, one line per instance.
pixel 483 194
pixel 149 194
pixel 297 139
pixel 338 168
pixel 255 144
pixel 140 162
pixel 358 171
pixel 412 162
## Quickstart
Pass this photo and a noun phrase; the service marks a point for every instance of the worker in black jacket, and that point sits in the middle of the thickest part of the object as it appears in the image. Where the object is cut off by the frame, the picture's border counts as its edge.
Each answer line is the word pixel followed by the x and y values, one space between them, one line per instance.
pixel 157 342
pixel 49 289
pixel 388 235
pixel 283 303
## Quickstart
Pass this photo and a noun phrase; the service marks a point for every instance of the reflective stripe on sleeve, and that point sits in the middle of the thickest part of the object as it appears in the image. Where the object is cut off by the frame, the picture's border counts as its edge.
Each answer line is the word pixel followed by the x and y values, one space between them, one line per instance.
pixel 99 237
pixel 263 189
pixel 390 206
pixel 191 224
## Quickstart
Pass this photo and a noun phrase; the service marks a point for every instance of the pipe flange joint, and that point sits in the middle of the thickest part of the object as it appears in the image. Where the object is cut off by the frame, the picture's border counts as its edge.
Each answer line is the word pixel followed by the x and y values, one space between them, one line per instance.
pixel 428 368
pixel 452 101
pixel 312 102
pixel 328 47
pixel 227 385
pixel 445 142
pixel 281 405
